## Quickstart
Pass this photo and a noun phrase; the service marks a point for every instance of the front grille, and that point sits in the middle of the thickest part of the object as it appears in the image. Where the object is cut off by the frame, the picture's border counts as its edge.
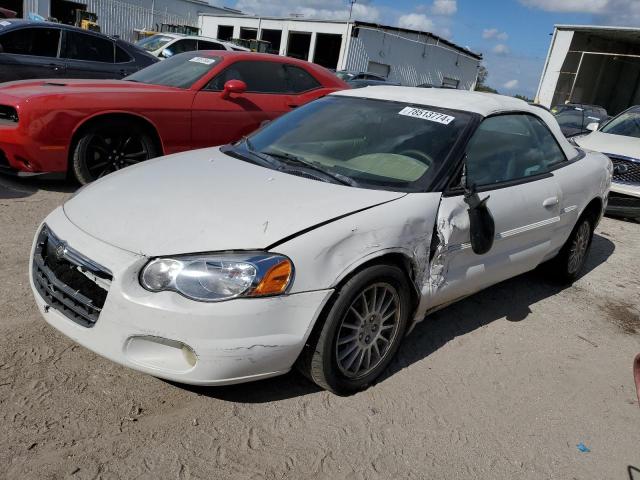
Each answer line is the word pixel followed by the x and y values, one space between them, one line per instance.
pixel 625 170
pixel 68 281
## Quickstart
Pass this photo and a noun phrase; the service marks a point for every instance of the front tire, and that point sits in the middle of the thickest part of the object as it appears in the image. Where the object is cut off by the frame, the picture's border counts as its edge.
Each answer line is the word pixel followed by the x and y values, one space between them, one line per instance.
pixel 570 261
pixel 361 332
pixel 107 147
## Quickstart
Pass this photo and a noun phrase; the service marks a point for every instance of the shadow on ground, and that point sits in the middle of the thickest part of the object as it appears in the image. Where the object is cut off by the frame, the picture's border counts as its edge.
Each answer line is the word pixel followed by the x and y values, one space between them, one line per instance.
pixel 436 331
pixel 17 187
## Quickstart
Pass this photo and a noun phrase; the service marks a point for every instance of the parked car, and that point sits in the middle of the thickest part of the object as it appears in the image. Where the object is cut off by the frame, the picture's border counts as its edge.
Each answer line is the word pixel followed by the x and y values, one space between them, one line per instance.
pixel 165 45
pixel 53 50
pixel 319 240
pixel 573 118
pixel 619 139
pixel 192 100
pixel 371 83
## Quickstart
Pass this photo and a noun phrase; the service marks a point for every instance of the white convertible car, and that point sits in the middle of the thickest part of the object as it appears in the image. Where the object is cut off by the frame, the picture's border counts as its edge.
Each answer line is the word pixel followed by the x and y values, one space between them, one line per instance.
pixel 319 240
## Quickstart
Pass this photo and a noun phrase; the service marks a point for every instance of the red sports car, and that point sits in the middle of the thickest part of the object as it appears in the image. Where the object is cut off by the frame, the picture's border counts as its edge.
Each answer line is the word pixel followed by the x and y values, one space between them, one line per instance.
pixel 193 100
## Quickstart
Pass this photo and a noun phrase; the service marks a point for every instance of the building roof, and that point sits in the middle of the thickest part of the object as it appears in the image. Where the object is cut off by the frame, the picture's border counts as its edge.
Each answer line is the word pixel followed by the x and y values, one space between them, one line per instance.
pixel 625 34
pixel 356 23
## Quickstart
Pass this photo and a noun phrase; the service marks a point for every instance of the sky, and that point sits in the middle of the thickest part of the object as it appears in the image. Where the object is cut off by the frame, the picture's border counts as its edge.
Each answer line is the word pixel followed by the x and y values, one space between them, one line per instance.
pixel 512 35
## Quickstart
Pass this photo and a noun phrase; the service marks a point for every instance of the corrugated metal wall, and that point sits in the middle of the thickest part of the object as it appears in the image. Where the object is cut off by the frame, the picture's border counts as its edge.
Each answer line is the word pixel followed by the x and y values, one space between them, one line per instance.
pixel 411 62
pixel 123 17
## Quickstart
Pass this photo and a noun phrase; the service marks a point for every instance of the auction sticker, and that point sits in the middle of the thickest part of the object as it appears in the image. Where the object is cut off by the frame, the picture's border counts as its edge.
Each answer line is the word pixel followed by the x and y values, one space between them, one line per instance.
pixel 427 115
pixel 203 60
pixel 5 24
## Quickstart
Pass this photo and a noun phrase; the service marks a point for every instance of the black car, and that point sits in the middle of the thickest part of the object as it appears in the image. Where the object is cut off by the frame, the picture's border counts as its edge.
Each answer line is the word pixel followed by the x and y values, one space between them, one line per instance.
pixel 573 118
pixel 52 50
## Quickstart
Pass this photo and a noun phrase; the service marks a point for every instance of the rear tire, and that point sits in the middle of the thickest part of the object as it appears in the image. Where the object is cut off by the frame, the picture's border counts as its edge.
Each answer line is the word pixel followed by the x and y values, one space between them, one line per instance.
pixel 110 146
pixel 568 264
pixel 361 331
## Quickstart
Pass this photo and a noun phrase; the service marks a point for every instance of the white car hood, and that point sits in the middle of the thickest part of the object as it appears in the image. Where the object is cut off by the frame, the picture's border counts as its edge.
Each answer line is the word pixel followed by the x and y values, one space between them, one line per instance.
pixel 205 200
pixel 608 143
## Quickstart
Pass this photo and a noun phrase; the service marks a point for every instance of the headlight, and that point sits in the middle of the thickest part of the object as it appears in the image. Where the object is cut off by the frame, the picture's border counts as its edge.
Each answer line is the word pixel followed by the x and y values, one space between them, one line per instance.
pixel 216 277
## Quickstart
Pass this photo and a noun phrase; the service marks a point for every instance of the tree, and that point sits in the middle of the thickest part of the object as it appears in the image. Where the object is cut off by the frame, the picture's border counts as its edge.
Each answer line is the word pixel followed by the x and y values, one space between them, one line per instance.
pixel 481 86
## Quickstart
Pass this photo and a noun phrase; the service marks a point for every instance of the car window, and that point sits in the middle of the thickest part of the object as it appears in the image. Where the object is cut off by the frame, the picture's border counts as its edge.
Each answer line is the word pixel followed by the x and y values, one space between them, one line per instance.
pixel 122 56
pixel 154 42
pixel 260 77
pixel 300 80
pixel 203 45
pixel 41 42
pixel 626 124
pixel 81 46
pixel 181 71
pixel 181 46
pixel 510 147
pixel 570 118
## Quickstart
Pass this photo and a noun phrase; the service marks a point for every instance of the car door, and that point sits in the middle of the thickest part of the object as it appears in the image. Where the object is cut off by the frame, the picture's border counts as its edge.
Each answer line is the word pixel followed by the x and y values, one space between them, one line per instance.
pixel 506 164
pixel 89 55
pixel 217 119
pixel 30 52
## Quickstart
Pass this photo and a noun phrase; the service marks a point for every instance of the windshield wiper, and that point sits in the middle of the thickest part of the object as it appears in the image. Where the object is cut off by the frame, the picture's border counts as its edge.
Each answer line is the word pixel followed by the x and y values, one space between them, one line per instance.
pixel 264 159
pixel 296 160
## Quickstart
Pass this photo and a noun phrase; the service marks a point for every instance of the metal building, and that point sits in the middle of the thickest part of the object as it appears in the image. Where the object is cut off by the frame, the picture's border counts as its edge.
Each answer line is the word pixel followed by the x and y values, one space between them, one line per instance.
pixel 120 17
pixel 593 65
pixel 409 57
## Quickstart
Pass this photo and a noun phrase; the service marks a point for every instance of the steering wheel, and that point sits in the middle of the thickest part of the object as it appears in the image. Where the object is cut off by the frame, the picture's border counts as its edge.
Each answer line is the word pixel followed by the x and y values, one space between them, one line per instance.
pixel 417 153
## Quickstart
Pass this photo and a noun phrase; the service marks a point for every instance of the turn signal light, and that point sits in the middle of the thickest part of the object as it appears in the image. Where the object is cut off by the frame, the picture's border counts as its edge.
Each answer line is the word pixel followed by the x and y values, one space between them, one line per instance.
pixel 275 280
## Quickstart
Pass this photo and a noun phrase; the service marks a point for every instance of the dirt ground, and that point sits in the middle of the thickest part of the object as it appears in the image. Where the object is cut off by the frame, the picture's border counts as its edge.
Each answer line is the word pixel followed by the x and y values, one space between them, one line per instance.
pixel 503 385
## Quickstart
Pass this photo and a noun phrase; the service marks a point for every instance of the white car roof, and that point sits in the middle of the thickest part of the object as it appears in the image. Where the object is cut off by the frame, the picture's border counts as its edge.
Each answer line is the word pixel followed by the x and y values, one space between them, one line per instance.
pixel 484 104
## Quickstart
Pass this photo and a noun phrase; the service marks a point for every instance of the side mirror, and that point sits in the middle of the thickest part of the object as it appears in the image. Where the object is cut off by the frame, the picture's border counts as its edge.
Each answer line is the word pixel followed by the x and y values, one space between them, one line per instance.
pixel 482 227
pixel 234 86
pixel 593 126
pixel 166 53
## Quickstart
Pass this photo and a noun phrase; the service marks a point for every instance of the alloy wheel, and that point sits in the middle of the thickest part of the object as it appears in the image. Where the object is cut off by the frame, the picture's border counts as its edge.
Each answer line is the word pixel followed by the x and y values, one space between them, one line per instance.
pixel 579 247
pixel 108 153
pixel 367 330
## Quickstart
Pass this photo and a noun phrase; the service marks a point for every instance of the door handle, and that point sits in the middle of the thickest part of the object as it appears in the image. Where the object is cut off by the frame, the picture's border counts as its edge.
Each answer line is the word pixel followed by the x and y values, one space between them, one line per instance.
pixel 55 67
pixel 550 202
pixel 293 105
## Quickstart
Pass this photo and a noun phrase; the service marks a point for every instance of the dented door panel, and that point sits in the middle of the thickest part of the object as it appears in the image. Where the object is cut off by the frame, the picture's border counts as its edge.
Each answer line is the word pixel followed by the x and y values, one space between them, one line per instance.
pixel 325 255
pixel 525 219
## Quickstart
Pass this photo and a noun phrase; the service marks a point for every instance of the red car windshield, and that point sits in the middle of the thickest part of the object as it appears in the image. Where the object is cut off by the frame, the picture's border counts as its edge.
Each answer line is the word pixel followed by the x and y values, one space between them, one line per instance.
pixel 180 71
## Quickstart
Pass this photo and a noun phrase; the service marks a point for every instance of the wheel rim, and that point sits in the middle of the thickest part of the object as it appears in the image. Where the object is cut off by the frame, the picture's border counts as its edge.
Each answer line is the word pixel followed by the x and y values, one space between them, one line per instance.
pixel 368 330
pixel 579 247
pixel 106 153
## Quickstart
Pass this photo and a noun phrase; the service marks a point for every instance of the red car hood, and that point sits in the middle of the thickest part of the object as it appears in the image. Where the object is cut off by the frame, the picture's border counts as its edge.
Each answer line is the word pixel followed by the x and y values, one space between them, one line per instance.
pixel 34 88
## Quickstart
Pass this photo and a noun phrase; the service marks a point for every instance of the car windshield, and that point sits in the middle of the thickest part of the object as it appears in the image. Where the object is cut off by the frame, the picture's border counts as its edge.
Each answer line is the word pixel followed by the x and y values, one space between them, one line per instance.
pixel 626 124
pixel 180 71
pixel 154 42
pixel 369 143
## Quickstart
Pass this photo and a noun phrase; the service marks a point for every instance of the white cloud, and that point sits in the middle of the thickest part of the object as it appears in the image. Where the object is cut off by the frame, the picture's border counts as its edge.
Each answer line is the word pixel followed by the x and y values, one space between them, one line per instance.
pixel 608 12
pixel 574 6
pixel 321 9
pixel 511 84
pixel 491 33
pixel 416 21
pixel 444 7
pixel 501 49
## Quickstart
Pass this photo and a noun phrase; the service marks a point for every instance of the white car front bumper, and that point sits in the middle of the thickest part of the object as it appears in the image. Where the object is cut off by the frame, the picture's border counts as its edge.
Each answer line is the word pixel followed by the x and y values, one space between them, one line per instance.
pixel 172 337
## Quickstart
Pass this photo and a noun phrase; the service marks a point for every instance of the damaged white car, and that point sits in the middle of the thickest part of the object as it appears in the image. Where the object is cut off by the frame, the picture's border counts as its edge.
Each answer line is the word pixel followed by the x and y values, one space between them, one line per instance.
pixel 319 240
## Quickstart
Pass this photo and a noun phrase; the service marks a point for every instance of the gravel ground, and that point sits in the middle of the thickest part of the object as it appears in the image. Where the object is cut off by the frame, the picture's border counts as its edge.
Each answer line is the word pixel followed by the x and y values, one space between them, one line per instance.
pixel 502 385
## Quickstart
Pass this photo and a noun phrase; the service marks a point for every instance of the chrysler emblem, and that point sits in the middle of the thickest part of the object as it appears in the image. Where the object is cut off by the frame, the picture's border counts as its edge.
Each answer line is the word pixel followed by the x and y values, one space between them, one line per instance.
pixel 61 250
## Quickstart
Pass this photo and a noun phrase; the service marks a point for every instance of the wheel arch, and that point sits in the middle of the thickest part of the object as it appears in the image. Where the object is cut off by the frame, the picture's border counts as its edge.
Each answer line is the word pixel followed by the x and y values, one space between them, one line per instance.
pixel 97 118
pixel 593 210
